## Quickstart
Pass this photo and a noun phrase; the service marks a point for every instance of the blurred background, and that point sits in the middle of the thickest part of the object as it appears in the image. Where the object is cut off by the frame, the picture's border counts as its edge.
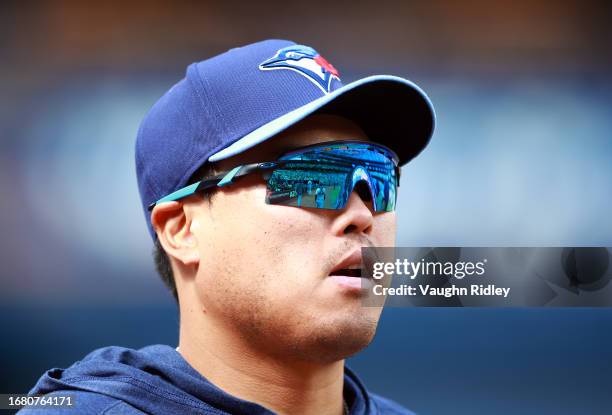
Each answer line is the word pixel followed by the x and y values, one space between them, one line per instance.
pixel 522 156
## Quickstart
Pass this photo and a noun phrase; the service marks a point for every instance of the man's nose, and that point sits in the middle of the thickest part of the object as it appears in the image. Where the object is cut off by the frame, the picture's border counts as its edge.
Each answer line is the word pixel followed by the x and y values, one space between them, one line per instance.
pixel 357 216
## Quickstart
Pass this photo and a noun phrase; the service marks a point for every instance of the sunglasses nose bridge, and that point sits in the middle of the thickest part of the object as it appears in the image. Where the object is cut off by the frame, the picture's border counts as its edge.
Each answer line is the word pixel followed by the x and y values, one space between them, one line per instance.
pixel 359 175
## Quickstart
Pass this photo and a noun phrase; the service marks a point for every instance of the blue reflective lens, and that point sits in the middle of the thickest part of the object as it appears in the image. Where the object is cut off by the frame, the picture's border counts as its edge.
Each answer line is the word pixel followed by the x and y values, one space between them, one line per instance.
pixel 324 175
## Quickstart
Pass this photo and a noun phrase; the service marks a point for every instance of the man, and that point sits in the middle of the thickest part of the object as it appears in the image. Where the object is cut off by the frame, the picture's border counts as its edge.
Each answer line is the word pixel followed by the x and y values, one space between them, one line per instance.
pixel 268 287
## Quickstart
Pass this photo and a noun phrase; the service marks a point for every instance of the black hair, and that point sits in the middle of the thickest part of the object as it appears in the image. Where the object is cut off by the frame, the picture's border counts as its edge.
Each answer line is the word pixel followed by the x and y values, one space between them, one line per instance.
pixel 162 261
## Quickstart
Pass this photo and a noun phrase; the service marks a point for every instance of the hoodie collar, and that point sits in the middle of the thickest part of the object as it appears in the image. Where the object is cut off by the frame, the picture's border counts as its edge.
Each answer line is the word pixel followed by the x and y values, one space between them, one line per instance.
pixel 158 380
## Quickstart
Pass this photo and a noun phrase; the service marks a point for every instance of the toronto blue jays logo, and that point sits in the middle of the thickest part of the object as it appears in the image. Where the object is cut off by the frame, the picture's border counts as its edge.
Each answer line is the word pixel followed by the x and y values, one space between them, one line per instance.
pixel 305 61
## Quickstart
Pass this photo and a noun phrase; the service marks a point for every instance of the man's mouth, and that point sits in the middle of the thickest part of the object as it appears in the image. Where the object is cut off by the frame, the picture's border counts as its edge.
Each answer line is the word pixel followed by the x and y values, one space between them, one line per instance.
pixel 349 272
pixel 349 266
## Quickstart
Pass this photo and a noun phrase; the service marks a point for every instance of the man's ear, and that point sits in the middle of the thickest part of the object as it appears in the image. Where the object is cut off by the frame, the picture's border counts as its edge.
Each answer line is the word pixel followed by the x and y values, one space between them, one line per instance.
pixel 173 226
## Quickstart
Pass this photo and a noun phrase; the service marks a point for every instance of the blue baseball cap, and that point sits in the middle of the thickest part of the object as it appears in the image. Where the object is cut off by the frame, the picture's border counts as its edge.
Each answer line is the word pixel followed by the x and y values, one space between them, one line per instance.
pixel 233 101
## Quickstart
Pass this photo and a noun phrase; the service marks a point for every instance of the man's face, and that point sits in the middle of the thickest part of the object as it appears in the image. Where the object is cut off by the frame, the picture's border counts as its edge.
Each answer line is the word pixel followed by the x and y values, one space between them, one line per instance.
pixel 264 270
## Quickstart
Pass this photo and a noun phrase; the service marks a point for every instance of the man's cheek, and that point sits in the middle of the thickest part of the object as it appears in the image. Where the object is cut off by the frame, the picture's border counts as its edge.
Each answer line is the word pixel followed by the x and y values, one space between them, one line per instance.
pixel 386 229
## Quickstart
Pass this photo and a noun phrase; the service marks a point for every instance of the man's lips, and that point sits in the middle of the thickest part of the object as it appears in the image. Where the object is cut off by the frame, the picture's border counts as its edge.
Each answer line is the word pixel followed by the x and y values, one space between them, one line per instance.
pixel 349 266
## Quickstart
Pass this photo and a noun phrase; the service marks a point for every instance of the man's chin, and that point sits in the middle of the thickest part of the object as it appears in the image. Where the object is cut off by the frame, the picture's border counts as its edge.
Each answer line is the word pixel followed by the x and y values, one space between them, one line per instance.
pixel 342 339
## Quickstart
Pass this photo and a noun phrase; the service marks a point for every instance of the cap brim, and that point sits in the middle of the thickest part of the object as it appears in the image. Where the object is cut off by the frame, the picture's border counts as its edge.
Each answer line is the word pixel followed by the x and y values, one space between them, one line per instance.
pixel 391 110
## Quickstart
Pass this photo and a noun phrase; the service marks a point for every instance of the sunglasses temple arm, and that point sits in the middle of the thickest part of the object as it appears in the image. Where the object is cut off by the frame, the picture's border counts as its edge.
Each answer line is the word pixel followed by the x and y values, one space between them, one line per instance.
pixel 222 179
pixel 229 177
pixel 239 171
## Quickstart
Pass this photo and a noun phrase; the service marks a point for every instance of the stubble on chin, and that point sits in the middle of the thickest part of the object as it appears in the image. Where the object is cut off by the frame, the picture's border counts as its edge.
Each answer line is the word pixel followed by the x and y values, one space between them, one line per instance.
pixel 293 335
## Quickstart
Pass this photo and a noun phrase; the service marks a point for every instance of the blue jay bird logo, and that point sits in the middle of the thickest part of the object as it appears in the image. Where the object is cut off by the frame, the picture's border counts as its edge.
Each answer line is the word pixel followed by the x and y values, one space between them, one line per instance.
pixel 305 61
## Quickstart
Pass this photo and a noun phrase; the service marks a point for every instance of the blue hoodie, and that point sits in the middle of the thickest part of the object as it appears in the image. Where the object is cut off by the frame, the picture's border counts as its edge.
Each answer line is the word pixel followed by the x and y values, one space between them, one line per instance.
pixel 157 380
